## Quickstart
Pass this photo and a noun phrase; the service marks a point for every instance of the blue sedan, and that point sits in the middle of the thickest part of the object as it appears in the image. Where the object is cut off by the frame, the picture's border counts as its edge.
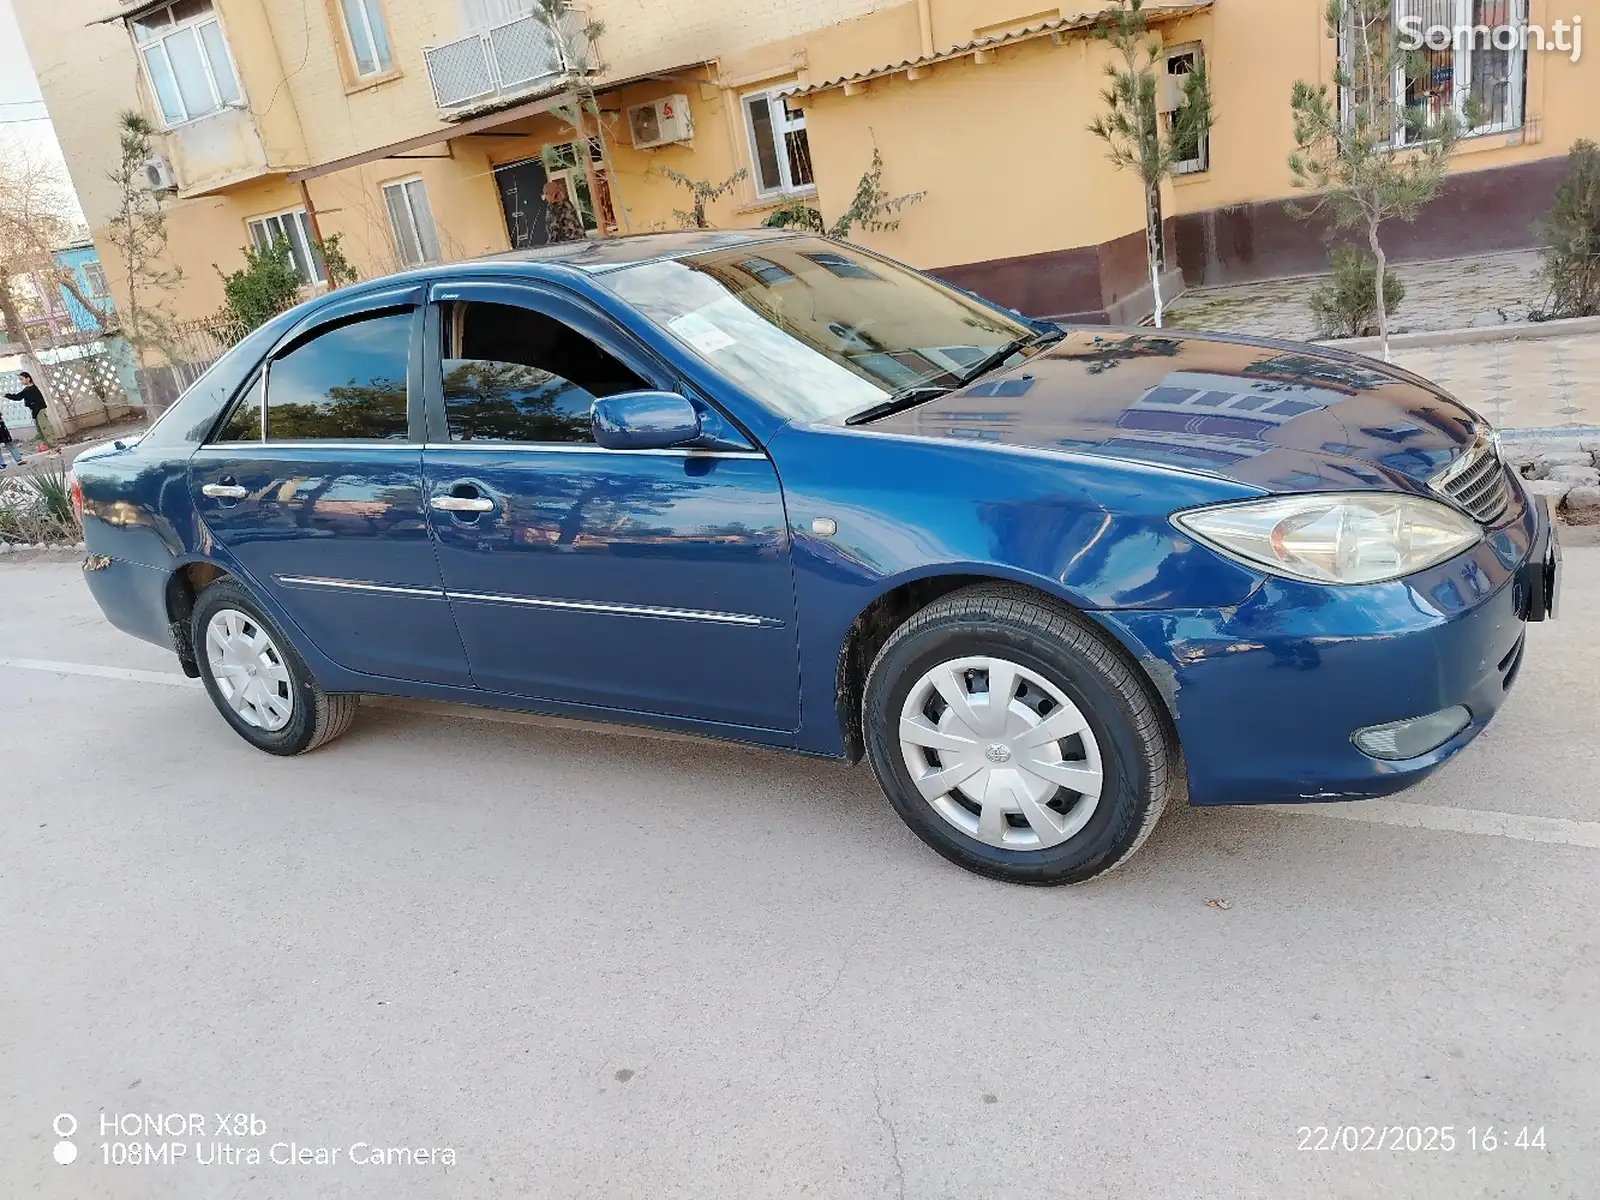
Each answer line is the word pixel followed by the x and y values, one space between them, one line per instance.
pixel 781 490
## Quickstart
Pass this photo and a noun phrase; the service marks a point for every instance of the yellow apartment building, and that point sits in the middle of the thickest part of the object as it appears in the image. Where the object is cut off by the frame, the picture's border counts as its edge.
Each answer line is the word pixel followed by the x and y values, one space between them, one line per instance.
pixel 416 129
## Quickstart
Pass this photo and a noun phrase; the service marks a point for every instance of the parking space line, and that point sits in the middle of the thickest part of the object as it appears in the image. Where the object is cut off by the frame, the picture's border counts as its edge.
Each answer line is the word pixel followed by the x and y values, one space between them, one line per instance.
pixel 170 678
pixel 1518 826
pixel 1480 822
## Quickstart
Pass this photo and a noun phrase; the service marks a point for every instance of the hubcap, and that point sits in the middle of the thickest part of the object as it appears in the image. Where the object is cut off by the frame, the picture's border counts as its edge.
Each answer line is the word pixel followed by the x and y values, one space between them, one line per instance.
pixel 249 671
pixel 1001 753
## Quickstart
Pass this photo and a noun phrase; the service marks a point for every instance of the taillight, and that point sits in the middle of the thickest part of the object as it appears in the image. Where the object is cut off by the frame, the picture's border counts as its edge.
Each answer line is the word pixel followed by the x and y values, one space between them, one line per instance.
pixel 75 491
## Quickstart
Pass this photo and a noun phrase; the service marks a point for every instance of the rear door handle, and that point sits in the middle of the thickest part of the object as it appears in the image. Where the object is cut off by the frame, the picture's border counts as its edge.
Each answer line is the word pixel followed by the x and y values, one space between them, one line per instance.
pixel 225 491
pixel 461 504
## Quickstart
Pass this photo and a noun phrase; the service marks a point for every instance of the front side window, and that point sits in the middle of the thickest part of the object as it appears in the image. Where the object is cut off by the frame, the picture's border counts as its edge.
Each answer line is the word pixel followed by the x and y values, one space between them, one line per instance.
pixel 815 329
pixel 342 383
pixel 411 220
pixel 369 36
pixel 779 150
pixel 186 60
pixel 515 375
pixel 293 227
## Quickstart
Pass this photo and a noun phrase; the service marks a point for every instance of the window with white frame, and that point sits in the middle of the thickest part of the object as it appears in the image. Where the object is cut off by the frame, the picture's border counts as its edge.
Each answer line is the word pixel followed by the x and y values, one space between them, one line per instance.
pixel 369 37
pixel 1195 156
pixel 186 60
pixel 412 222
pixel 778 147
pixel 564 164
pixel 294 228
pixel 96 276
pixel 1479 71
pixel 1479 75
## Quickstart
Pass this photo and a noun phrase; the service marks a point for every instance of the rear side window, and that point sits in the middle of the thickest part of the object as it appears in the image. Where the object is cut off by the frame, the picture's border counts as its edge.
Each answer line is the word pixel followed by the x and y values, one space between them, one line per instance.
pixel 244 422
pixel 348 382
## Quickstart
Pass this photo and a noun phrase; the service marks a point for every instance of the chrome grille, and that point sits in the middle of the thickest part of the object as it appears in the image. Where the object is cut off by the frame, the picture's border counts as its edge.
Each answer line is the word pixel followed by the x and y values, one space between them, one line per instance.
pixel 1477 482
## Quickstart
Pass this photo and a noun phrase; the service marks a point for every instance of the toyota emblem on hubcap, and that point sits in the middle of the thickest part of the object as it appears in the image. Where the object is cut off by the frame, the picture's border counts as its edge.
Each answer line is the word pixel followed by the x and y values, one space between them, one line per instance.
pixel 998 753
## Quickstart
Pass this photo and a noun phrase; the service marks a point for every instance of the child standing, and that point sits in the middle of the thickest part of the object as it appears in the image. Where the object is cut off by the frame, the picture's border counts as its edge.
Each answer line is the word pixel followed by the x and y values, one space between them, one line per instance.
pixel 6 443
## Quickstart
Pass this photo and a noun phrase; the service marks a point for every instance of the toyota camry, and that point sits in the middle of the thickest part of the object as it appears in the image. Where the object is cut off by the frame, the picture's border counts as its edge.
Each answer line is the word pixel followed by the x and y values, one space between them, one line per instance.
pixel 778 489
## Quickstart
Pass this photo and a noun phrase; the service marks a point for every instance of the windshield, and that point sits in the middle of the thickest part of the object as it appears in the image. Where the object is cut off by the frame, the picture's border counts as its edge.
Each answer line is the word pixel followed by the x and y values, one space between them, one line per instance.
pixel 814 329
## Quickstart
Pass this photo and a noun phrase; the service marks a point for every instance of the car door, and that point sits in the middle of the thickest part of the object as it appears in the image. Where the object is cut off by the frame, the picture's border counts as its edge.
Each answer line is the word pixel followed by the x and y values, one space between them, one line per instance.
pixel 313 483
pixel 651 581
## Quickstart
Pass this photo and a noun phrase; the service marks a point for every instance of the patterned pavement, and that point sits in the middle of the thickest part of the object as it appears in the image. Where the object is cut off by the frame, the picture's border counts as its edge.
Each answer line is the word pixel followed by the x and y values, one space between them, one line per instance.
pixel 1538 383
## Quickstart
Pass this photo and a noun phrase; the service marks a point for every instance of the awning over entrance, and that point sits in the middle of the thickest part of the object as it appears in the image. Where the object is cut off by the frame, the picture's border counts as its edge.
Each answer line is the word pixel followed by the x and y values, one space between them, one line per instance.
pixel 979 48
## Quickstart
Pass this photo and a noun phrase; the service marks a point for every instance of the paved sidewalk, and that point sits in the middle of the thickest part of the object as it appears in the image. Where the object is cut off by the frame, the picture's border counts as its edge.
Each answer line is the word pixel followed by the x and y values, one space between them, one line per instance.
pixel 1545 383
pixel 1532 384
pixel 1494 289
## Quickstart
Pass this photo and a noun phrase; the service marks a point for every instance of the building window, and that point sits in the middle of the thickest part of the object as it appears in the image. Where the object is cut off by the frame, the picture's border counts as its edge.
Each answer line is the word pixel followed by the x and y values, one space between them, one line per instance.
pixel 563 164
pixel 186 60
pixel 95 274
pixel 1192 149
pixel 842 266
pixel 778 145
pixel 293 227
pixel 1481 75
pixel 369 37
pixel 412 222
pixel 767 271
pixel 1473 76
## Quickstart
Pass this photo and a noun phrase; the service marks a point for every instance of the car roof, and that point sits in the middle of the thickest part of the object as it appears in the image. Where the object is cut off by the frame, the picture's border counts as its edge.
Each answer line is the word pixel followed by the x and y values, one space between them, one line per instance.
pixel 611 254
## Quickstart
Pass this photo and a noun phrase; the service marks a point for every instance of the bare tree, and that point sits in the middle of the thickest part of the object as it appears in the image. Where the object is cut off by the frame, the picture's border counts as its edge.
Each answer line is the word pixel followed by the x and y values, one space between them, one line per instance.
pixel 36 217
pixel 1364 152
pixel 138 231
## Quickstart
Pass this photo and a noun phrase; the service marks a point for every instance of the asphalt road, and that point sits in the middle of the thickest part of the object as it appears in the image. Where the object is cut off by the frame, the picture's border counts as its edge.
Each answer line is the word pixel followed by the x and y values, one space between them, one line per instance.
pixel 599 964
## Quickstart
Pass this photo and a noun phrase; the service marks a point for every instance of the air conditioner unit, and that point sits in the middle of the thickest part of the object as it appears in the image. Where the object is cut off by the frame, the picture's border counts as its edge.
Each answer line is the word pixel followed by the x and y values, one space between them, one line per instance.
pixel 158 176
pixel 660 122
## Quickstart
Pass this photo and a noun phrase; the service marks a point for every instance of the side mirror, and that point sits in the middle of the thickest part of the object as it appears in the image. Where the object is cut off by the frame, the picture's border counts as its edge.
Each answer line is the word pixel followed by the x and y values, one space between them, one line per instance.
pixel 644 421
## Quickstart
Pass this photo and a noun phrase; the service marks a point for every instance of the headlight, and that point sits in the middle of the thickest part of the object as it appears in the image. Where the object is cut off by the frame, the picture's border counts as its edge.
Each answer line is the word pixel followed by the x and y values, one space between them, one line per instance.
pixel 1332 537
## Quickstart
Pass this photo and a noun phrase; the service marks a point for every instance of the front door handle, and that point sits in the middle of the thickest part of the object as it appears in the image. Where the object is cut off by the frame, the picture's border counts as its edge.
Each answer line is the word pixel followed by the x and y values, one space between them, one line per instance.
pixel 225 491
pixel 462 504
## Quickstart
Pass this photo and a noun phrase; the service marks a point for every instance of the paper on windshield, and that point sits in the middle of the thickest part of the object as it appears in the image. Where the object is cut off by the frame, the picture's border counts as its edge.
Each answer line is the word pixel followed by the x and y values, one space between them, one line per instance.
pixel 696 329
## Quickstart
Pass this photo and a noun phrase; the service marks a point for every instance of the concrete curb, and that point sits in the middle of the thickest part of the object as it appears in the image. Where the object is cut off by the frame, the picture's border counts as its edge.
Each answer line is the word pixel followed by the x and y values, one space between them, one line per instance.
pixel 1515 438
pixel 1526 331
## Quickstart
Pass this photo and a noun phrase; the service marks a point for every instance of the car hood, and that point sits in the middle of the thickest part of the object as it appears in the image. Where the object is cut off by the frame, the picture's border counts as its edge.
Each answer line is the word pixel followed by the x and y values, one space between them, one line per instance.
pixel 1280 416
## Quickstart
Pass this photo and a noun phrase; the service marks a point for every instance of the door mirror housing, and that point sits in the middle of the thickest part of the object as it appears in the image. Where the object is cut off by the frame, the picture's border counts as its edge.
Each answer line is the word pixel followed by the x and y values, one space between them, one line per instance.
pixel 644 421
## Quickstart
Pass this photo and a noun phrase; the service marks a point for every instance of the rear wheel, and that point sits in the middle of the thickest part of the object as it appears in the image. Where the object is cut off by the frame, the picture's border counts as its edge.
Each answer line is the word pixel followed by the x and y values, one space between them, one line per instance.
pixel 1014 739
pixel 256 679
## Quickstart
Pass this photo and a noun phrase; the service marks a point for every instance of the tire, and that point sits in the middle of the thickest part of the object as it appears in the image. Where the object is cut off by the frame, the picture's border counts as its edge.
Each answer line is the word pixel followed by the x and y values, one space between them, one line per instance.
pixel 282 709
pixel 993 790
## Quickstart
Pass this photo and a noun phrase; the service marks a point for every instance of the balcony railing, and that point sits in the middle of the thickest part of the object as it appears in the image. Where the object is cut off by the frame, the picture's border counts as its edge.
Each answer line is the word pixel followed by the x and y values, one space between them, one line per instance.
pixel 522 56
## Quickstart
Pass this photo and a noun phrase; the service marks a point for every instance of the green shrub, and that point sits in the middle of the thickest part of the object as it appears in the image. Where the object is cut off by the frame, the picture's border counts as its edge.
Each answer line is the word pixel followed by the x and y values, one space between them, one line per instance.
pixel 54 497
pixel 1570 231
pixel 1346 305
pixel 798 215
pixel 266 286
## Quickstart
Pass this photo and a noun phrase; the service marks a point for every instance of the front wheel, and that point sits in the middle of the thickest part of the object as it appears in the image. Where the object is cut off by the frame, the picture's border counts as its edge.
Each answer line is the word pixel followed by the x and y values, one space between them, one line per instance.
pixel 256 679
pixel 1014 739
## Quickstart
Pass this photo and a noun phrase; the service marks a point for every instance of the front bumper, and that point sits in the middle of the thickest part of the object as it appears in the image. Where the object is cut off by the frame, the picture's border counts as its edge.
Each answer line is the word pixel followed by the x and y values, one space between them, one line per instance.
pixel 1267 696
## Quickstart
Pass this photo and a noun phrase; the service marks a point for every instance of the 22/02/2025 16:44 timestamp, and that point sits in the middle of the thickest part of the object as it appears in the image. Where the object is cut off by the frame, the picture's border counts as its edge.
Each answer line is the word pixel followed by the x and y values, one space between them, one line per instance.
pixel 1422 1138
